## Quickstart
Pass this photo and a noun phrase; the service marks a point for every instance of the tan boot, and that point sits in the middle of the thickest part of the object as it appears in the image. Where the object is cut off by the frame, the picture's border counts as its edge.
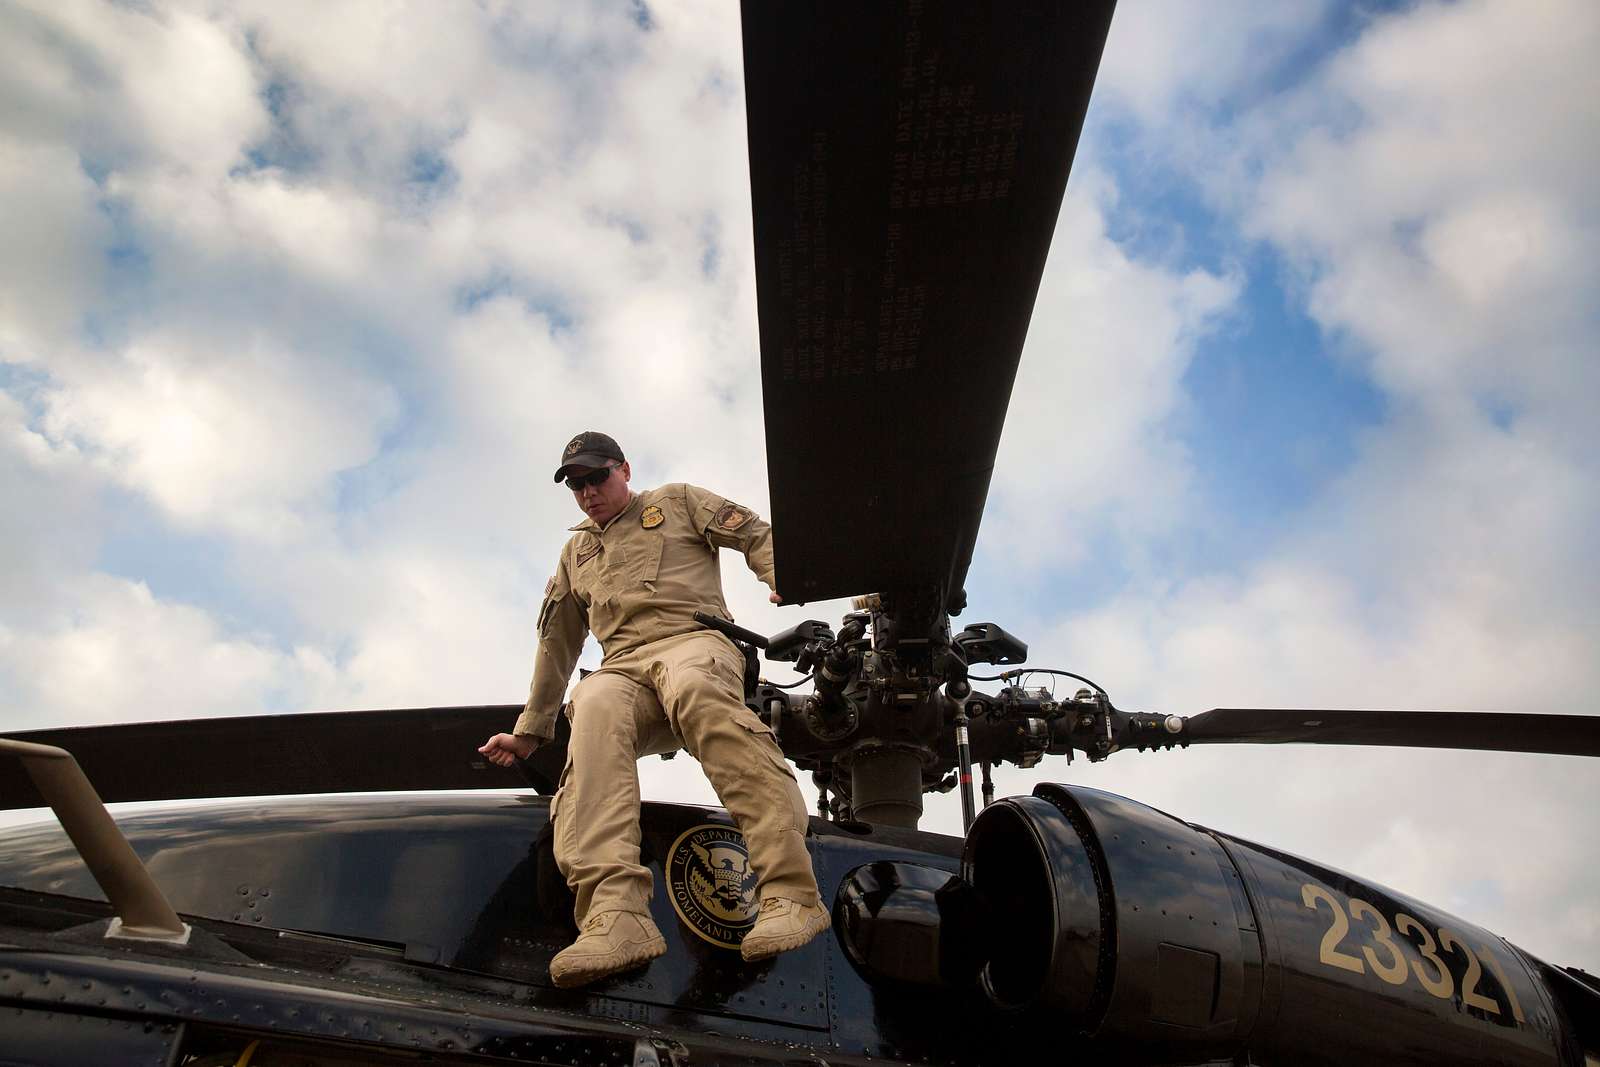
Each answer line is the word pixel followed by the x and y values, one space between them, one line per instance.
pixel 610 942
pixel 782 925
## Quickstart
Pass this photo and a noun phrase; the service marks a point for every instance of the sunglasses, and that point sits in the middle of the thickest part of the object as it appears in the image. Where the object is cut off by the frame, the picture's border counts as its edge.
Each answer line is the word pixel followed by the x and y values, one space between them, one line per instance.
pixel 598 477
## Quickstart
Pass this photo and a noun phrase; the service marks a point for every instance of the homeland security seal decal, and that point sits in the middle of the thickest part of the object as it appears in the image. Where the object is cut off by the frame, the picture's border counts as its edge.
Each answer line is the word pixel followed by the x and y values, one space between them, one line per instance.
pixel 712 887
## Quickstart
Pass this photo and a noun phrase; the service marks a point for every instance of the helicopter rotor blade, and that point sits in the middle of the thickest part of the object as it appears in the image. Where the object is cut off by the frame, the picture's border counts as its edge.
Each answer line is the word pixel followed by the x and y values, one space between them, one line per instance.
pixel 1492 731
pixel 268 755
pixel 901 227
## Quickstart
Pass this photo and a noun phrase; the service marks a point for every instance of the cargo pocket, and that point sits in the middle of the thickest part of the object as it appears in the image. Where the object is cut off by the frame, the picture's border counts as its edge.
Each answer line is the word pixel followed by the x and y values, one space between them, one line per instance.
pixel 727 663
pixel 561 788
pixel 765 740
pixel 562 832
pixel 773 780
pixel 557 590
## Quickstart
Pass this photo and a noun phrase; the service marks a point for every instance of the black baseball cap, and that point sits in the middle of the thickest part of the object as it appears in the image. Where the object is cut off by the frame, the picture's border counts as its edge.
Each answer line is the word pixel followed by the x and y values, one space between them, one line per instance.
pixel 591 448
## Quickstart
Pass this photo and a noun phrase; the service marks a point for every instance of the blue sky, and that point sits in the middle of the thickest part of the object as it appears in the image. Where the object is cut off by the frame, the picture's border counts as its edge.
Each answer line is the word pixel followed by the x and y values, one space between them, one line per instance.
pixel 296 303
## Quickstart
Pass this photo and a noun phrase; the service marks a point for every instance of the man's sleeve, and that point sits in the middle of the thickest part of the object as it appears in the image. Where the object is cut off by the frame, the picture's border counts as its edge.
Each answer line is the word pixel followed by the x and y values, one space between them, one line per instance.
pixel 563 624
pixel 725 524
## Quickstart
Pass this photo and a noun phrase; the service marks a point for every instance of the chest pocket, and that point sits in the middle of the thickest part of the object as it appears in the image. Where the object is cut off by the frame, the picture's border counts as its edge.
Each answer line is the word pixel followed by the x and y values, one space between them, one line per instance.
pixel 588 574
pixel 644 556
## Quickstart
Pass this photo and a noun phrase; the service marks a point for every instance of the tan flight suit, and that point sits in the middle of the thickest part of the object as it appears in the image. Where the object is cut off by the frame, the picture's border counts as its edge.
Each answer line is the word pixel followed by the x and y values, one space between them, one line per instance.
pixel 664 683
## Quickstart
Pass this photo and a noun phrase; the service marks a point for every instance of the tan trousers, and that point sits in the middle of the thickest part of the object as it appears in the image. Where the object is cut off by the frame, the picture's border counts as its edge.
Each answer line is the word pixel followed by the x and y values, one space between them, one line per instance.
pixel 680 691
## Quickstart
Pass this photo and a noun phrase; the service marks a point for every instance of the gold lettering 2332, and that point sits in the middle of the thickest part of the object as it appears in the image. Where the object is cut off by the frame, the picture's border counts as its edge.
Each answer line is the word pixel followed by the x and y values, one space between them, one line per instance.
pixel 1429 969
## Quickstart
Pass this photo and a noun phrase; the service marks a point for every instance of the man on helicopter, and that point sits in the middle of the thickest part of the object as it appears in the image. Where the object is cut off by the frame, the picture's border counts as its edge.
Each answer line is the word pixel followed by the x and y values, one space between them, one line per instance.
pixel 634 573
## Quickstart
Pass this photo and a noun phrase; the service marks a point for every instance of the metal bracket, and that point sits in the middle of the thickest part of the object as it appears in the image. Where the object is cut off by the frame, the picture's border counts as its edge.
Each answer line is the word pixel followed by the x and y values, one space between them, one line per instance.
pixel 143 912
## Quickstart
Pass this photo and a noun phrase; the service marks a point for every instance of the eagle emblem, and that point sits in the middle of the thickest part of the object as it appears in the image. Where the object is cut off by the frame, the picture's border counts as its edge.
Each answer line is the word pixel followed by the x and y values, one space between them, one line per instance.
pixel 732 516
pixel 712 887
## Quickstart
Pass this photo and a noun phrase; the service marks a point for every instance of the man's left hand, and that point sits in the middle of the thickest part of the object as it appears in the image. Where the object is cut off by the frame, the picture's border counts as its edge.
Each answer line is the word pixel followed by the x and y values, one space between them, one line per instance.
pixel 775 598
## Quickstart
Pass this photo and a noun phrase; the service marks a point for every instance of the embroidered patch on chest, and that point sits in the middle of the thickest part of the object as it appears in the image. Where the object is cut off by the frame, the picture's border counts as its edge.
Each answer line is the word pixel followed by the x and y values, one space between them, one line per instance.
pixel 652 517
pixel 731 517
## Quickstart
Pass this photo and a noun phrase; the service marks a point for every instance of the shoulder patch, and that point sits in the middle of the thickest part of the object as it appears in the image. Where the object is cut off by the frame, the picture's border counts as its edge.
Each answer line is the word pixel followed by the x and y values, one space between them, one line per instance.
pixel 731 517
pixel 651 517
pixel 549 587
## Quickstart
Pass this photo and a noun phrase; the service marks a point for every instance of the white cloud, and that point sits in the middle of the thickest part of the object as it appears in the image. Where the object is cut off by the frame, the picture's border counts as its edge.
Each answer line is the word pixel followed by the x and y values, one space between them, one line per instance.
pixel 1449 226
pixel 1166 56
pixel 226 431
pixel 132 84
pixel 110 651
pixel 1089 443
pixel 91 89
pixel 50 518
pixel 53 265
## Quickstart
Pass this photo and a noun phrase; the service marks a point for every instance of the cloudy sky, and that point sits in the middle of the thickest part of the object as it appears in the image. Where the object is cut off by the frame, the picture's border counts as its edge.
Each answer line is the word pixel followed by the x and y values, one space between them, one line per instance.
pixel 298 301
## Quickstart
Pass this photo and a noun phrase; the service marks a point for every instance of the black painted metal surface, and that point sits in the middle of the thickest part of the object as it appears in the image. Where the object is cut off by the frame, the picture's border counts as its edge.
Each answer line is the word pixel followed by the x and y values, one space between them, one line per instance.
pixel 1186 980
pixel 907 163
pixel 429 921
pixel 1223 949
pixel 272 755
pixel 378 891
pixel 1046 876
pixel 345 1010
pixel 71 1039
pixel 911 923
pixel 467 882
pixel 1494 731
pixel 1327 1000
pixel 1134 928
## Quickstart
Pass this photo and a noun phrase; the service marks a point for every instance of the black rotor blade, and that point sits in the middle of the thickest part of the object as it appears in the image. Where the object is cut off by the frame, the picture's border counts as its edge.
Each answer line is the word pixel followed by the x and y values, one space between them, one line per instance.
pixel 1494 731
pixel 266 755
pixel 907 163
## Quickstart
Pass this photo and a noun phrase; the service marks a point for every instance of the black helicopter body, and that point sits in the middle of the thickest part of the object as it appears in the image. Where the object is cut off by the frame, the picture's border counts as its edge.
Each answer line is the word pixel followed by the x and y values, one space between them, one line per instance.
pixel 1070 926
pixel 907 165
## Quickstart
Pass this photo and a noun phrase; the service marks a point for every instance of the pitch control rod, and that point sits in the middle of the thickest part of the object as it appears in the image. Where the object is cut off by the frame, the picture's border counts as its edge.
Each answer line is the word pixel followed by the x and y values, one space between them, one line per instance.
pixel 964 760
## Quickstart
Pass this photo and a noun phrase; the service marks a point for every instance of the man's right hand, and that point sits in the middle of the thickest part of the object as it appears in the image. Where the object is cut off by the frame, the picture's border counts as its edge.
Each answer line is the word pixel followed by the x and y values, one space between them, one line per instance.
pixel 506 749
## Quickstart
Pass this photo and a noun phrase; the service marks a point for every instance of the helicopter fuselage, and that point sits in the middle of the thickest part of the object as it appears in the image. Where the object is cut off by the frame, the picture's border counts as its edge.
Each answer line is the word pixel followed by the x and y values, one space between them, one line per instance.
pixel 1074 922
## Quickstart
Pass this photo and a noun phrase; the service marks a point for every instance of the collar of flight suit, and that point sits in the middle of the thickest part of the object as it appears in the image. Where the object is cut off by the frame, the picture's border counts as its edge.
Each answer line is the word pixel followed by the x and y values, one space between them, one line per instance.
pixel 594 527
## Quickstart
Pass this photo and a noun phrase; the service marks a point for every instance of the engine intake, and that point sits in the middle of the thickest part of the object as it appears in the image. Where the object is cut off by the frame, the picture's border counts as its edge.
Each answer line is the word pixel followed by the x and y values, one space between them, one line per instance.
pixel 1053 945
pixel 1128 924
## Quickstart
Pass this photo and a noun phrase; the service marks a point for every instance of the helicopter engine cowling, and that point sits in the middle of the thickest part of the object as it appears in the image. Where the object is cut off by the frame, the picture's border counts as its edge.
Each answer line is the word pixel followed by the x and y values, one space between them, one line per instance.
pixel 1171 943
pixel 1141 936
